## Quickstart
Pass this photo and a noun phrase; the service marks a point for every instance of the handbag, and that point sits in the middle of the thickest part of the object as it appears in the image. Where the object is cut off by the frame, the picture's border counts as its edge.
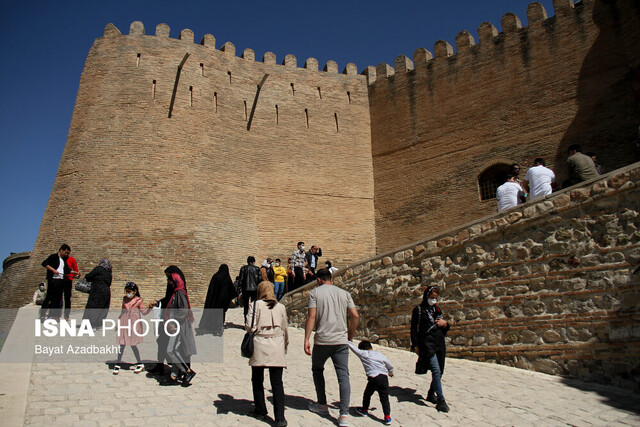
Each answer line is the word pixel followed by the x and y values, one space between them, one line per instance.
pixel 83 286
pixel 246 348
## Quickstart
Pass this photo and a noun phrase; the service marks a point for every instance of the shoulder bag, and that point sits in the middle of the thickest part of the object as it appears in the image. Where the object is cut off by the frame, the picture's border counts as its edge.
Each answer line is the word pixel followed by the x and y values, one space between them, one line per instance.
pixel 83 286
pixel 246 348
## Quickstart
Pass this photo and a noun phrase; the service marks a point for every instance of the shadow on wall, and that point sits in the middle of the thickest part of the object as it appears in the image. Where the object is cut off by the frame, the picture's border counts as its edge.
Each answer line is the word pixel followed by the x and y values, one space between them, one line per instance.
pixel 608 114
pixel 615 396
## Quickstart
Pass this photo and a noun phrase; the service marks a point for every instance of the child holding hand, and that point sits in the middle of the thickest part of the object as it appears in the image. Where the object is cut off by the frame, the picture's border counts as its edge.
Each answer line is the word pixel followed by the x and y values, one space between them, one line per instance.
pixel 376 366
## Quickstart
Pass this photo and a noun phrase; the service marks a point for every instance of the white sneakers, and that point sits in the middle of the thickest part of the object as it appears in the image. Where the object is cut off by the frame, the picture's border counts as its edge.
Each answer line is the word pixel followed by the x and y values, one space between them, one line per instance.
pixel 139 368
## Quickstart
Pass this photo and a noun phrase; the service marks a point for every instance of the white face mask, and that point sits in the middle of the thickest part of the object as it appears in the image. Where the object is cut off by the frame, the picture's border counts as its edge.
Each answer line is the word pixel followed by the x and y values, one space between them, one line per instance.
pixel 277 264
pixel 302 248
pixel 130 294
pixel 432 301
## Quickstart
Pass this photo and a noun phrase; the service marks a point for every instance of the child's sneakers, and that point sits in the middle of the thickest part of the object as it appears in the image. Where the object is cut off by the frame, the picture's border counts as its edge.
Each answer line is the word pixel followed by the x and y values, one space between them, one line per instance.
pixel 387 420
pixel 361 411
pixel 139 368
pixel 116 369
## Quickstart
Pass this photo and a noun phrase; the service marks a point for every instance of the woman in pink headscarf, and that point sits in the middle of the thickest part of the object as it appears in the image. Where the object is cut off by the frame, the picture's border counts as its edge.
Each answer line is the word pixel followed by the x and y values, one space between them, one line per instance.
pixel 182 345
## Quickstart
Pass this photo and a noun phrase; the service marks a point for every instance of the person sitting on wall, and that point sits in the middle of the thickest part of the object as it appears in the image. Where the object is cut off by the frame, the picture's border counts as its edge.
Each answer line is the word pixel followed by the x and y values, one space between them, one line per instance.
pixel 509 194
pixel 581 167
pixel 539 179
pixel 40 294
pixel 594 157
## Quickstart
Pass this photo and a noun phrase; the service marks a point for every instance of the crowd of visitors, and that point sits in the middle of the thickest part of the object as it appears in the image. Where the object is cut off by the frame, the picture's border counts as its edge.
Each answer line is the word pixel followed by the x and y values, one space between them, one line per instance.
pixel 332 314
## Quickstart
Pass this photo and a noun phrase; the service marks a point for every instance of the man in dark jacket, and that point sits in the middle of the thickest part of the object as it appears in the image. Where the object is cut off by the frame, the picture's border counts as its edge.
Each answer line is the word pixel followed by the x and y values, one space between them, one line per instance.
pixel 250 277
pixel 312 262
pixel 428 329
pixel 57 270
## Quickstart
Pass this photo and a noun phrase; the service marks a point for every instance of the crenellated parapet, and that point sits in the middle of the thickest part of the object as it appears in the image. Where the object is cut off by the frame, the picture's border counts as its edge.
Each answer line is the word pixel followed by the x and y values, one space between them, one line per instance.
pixel 136 29
pixel 488 36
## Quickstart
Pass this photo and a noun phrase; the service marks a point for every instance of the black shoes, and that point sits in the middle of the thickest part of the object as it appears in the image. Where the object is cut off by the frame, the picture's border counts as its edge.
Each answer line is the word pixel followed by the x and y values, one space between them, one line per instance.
pixel 431 397
pixel 258 414
pixel 280 423
pixel 442 406
pixel 188 376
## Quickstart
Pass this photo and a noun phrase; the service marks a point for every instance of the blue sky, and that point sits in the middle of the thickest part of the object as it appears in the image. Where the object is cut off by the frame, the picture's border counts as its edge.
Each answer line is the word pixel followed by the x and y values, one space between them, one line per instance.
pixel 44 45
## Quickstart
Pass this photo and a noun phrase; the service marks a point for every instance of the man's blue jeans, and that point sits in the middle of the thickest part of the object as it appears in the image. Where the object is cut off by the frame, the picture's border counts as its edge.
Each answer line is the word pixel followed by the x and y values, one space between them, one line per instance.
pixel 278 287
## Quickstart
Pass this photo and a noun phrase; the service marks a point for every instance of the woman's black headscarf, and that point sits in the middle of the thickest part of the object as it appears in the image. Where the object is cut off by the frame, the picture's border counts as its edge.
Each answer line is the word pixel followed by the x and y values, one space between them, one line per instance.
pixel 425 297
pixel 221 290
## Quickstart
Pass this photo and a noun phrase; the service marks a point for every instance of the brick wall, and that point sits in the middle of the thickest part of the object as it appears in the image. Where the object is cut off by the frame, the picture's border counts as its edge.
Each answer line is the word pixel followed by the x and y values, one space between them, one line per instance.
pixel 513 96
pixel 547 286
pixel 202 188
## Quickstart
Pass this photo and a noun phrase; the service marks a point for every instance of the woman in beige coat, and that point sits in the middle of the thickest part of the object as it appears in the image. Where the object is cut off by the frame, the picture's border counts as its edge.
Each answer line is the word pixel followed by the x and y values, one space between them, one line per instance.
pixel 269 348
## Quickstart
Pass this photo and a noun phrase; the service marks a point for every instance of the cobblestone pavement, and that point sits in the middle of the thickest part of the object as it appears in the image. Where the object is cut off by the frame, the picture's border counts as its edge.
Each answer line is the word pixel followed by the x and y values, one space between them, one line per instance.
pixel 478 394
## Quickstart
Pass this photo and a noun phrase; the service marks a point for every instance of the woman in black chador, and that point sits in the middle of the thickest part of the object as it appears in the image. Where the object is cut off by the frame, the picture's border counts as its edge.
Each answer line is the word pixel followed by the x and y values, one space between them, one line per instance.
pixel 97 306
pixel 220 294
pixel 428 329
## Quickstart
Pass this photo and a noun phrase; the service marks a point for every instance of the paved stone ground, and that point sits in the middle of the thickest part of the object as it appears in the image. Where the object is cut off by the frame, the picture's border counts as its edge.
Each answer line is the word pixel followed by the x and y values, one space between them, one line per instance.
pixel 478 394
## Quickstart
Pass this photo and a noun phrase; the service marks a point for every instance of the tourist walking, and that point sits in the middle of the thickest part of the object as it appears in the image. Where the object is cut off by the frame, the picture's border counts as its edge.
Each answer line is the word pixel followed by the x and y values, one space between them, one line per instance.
pixel 428 330
pixel 97 306
pixel 378 368
pixel 182 345
pixel 250 277
pixel 269 320
pixel 335 318
pixel 130 334
pixel 219 296
pixel 163 339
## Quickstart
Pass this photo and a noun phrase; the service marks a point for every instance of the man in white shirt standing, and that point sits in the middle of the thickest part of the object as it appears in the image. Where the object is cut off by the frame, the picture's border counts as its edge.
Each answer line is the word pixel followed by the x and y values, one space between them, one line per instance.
pixel 56 270
pixel 335 318
pixel 509 194
pixel 540 179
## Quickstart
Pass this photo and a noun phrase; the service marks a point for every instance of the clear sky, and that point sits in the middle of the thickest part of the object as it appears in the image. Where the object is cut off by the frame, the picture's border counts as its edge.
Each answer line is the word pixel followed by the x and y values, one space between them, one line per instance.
pixel 44 45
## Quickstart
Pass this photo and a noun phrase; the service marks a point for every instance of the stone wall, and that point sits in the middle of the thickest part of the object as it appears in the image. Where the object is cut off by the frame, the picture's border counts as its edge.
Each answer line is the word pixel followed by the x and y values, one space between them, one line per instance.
pixel 546 286
pixel 13 272
pixel 182 153
pixel 439 121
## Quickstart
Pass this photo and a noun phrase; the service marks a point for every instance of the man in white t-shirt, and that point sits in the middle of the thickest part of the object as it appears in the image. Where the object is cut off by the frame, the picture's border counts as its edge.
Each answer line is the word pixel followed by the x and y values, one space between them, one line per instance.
pixel 540 179
pixel 328 310
pixel 509 194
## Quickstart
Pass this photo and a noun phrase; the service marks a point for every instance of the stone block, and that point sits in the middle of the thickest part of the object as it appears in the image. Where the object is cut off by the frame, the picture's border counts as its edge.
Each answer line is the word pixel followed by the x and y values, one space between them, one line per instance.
pixel 551 337
pixel 546 366
pixel 580 194
pixel 618 180
pixel 491 313
pixel 599 187
pixel 461 236
pixel 419 249
pixel 387 261
pixel 514 217
pixel 444 242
